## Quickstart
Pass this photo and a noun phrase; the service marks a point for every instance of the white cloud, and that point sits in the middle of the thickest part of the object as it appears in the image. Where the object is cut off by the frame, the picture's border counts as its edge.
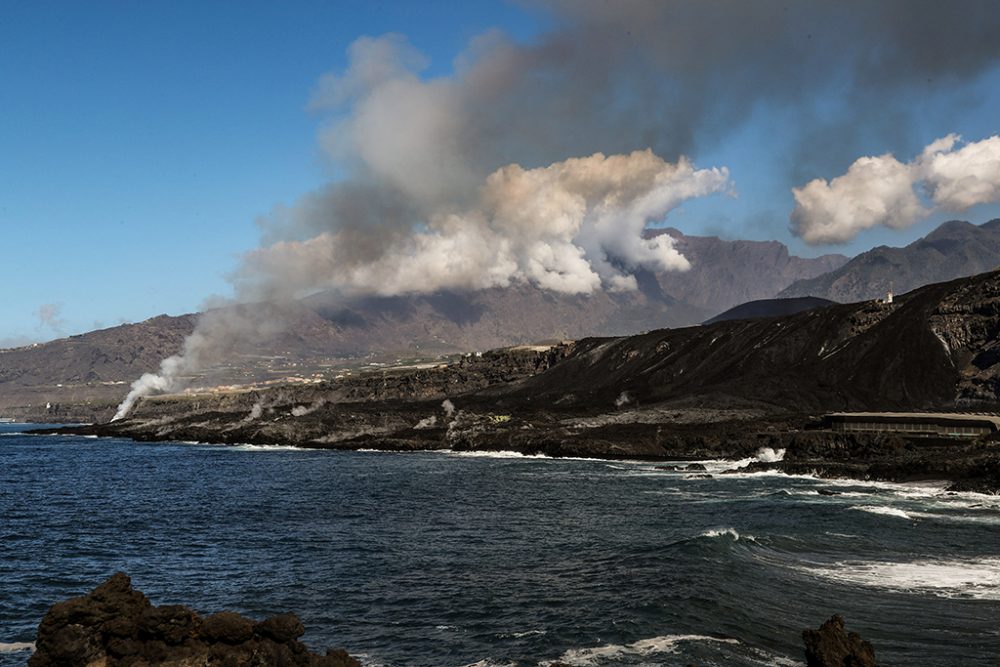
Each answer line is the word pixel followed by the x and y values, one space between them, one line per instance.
pixel 879 191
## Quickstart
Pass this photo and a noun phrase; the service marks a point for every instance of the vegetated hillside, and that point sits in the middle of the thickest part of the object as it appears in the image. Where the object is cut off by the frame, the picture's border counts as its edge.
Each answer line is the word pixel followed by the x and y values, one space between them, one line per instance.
pixel 936 347
pixel 954 250
pixel 725 273
pixel 771 308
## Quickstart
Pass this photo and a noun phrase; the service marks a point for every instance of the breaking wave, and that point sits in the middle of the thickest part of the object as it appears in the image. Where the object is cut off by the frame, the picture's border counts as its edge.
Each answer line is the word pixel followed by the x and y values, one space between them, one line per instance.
pixel 883 510
pixel 974 578
pixel 582 657
pixel 726 532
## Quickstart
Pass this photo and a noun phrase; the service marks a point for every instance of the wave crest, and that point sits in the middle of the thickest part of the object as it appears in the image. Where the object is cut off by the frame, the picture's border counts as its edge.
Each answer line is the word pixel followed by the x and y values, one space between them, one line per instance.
pixel 582 657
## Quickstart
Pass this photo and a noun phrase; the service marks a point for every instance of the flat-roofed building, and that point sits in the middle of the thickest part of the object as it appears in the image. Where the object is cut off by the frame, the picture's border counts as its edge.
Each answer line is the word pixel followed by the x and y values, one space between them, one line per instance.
pixel 926 424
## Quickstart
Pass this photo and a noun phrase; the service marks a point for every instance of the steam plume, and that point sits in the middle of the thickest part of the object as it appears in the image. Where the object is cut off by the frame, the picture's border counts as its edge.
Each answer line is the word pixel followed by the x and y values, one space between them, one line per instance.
pixel 218 334
pixel 880 190
pixel 574 226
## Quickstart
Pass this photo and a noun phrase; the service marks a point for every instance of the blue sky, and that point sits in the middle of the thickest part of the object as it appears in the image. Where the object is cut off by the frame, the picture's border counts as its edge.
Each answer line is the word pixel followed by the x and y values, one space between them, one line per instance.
pixel 140 141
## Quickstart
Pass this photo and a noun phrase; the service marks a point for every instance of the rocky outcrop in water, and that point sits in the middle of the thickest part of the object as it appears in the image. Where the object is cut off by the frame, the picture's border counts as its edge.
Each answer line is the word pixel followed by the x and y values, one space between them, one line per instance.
pixel 832 646
pixel 115 625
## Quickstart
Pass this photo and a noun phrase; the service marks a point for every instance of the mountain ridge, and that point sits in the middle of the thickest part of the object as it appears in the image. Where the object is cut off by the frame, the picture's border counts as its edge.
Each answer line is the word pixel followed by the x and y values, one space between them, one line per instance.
pixel 955 249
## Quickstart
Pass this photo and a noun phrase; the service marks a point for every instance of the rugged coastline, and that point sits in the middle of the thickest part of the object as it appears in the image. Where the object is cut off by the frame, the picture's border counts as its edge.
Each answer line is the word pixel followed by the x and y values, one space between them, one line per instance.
pixel 721 391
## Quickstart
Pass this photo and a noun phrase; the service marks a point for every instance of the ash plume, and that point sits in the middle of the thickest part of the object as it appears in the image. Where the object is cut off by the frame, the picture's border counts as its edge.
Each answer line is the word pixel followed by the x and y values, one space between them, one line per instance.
pixel 568 227
pixel 881 190
pixel 428 157
pixel 542 161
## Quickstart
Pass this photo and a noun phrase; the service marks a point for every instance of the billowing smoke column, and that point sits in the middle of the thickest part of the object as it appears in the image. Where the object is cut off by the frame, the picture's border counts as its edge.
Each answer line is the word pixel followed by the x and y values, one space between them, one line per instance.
pixel 880 190
pixel 168 379
pixel 574 226
pixel 542 162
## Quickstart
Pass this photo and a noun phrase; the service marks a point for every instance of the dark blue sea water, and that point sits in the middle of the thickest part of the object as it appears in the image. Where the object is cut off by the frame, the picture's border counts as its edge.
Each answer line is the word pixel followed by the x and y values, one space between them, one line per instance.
pixel 439 560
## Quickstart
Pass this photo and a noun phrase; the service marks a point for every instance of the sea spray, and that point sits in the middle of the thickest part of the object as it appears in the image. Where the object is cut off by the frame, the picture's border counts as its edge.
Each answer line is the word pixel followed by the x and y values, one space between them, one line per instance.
pixel 769 455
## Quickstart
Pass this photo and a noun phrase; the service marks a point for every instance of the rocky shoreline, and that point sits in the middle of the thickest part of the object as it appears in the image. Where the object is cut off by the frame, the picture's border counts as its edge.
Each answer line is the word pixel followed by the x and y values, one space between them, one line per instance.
pixel 722 391
pixel 791 444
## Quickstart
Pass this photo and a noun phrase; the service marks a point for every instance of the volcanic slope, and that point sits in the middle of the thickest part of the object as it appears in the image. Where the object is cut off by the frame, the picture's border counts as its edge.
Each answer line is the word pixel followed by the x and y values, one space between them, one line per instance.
pixel 770 308
pixel 954 250
pixel 936 347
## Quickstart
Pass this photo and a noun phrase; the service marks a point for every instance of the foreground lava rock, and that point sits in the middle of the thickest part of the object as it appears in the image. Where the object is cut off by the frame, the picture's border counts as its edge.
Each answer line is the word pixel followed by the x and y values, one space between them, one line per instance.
pixel 116 625
pixel 832 646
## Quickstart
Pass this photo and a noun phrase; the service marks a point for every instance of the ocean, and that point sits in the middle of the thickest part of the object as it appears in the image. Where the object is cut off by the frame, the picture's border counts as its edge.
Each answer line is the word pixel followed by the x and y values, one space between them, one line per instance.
pixel 440 559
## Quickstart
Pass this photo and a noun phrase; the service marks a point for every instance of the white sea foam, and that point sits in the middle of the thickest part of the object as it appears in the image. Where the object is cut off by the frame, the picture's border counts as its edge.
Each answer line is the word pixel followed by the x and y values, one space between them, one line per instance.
pixel 977 578
pixel 16 647
pixel 246 447
pixel 725 532
pixel 769 455
pixel 514 455
pixel 495 455
pixel 883 510
pixel 644 647
pixel 519 635
pixel 986 519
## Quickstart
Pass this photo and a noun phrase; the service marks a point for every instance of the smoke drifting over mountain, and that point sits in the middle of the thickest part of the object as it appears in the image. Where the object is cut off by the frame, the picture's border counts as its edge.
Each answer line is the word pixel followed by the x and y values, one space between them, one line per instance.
pixel 574 226
pixel 542 162
pixel 880 190
pixel 425 154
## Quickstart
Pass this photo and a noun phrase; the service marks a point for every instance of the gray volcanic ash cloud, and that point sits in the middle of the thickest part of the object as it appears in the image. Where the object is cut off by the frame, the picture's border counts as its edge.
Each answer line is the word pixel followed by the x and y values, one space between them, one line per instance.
pixel 50 316
pixel 429 159
pixel 542 162
pixel 573 226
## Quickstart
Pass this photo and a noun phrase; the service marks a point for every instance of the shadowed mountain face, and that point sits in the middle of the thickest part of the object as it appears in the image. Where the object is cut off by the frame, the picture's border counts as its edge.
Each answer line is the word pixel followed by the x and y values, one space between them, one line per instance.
pixel 727 273
pixel 936 347
pixel 954 250
pixel 770 308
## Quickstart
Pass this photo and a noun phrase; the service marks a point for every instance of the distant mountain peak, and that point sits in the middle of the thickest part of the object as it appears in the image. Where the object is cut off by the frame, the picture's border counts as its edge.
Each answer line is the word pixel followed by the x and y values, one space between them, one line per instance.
pixel 955 249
